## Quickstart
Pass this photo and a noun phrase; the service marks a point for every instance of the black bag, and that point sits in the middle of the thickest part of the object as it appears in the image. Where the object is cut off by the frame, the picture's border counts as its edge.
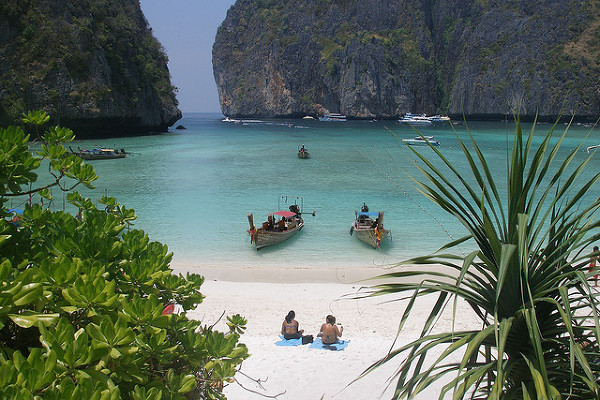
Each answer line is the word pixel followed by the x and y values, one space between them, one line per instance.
pixel 307 339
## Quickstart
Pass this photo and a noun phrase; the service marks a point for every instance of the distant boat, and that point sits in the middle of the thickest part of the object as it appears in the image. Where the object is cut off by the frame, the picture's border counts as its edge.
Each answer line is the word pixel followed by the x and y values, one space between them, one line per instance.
pixel 439 118
pixel 279 227
pixel 413 119
pixel 99 154
pixel 333 117
pixel 421 141
pixel 303 153
pixel 592 148
pixel 367 229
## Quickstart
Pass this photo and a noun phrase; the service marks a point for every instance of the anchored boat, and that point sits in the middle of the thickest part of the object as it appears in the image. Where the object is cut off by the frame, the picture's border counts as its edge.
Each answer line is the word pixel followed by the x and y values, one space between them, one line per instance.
pixel 279 226
pixel 367 229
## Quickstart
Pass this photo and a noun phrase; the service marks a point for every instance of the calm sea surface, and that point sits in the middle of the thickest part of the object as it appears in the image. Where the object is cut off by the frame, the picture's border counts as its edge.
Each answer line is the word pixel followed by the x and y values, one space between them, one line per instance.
pixel 192 189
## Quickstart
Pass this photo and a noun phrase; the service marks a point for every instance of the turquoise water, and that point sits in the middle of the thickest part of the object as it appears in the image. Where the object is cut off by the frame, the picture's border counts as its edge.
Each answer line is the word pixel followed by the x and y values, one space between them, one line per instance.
pixel 192 189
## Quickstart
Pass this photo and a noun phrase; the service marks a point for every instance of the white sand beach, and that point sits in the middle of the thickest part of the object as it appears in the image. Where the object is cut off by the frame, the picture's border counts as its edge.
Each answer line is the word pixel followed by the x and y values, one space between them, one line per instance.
pixel 265 296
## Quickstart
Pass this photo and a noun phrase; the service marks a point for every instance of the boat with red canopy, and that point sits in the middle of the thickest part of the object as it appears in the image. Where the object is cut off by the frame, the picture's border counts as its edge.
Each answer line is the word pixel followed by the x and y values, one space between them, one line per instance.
pixel 279 226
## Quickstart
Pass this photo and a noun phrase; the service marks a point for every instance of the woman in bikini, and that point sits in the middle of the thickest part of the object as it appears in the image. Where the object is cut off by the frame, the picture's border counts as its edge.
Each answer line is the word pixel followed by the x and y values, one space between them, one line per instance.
pixel 289 327
pixel 329 331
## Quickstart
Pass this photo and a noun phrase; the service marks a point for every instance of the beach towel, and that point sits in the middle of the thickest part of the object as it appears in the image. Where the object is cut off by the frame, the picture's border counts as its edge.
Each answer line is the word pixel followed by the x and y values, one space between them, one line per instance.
pixel 339 345
pixel 289 342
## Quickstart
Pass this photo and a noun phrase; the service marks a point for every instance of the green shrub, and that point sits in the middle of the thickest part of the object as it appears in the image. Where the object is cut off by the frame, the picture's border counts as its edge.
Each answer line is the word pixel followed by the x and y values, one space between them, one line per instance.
pixel 81 298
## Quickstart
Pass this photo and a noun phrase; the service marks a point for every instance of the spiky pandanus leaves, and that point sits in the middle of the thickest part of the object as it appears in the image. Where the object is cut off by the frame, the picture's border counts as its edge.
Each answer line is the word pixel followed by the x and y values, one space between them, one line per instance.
pixel 525 282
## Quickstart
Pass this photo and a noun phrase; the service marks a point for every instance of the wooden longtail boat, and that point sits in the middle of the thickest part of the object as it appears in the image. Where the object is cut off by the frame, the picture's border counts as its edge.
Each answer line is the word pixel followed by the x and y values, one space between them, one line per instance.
pixel 279 227
pixel 303 153
pixel 99 154
pixel 368 230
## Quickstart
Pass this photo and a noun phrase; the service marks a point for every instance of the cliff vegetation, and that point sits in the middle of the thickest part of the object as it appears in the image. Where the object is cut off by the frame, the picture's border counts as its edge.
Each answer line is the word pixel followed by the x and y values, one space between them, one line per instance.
pixel 381 59
pixel 93 65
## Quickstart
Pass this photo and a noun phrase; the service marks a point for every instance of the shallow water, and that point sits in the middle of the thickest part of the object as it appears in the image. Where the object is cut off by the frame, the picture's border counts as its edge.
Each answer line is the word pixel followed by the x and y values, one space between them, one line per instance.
pixel 192 189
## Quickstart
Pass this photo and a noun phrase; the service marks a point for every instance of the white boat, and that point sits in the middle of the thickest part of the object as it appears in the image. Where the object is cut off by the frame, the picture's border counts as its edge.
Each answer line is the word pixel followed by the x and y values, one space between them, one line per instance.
pixel 421 141
pixel 367 229
pixel 415 120
pixel 279 227
pixel 439 118
pixel 333 117
pixel 592 148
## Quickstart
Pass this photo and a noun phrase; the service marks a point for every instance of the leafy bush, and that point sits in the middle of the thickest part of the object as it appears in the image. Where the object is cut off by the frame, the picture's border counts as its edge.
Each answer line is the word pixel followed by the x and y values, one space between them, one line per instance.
pixel 81 298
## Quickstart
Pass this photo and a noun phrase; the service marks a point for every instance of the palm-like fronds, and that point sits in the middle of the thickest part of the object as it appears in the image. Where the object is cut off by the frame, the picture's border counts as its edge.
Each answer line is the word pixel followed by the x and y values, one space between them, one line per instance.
pixel 526 280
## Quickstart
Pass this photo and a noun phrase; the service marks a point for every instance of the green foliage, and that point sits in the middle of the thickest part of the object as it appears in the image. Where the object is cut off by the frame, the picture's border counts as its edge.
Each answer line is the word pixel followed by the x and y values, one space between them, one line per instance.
pixel 526 281
pixel 42 42
pixel 81 299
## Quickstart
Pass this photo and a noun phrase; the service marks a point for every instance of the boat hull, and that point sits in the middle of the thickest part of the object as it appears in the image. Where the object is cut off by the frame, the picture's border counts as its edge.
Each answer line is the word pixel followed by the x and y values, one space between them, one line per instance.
pixel 263 238
pixel 369 236
pixel 100 156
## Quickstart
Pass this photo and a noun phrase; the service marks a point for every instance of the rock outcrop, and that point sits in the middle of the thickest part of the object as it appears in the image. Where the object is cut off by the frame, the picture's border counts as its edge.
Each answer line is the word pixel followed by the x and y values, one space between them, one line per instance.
pixel 92 65
pixel 383 58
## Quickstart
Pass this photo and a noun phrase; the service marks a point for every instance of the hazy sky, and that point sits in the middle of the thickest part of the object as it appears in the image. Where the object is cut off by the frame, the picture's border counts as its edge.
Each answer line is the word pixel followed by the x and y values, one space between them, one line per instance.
pixel 187 29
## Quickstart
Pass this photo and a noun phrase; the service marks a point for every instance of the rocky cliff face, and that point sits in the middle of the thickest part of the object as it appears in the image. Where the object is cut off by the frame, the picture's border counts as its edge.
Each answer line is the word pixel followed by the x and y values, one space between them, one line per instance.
pixel 383 58
pixel 92 65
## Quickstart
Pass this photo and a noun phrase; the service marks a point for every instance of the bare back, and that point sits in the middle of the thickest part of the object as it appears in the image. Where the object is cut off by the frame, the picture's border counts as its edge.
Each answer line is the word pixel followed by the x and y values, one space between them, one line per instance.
pixel 330 332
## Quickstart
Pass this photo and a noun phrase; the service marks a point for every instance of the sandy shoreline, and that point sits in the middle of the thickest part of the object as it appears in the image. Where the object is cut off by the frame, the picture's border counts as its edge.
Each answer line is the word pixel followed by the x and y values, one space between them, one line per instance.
pixel 264 296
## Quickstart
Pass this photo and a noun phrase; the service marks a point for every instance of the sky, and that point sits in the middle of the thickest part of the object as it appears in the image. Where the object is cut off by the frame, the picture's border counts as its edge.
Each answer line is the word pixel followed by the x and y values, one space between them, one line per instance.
pixel 186 29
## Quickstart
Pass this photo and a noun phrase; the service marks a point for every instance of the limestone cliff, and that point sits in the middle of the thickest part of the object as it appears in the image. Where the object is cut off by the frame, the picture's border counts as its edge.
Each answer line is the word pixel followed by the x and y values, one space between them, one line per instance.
pixel 93 65
pixel 383 58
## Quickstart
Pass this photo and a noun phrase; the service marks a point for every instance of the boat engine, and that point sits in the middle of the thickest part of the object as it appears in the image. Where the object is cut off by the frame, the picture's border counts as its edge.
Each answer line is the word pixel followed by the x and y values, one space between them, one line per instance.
pixel 294 208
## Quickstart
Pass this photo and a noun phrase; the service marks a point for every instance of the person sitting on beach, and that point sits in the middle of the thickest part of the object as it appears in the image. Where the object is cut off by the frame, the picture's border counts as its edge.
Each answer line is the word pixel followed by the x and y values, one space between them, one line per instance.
pixel 329 331
pixel 289 327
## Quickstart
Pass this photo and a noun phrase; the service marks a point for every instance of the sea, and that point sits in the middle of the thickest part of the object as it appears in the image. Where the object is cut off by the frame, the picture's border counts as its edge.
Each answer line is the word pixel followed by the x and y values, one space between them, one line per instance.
pixel 192 189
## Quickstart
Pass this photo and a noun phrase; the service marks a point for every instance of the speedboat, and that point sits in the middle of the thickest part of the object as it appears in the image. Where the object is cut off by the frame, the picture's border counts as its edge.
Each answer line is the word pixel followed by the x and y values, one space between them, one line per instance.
pixel 439 118
pixel 279 227
pixel 369 230
pixel 333 117
pixel 421 141
pixel 415 120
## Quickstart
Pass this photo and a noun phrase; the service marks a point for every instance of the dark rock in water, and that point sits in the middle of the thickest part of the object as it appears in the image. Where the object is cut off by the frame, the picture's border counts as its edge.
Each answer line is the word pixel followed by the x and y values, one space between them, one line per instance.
pixel 381 59
pixel 180 127
pixel 93 66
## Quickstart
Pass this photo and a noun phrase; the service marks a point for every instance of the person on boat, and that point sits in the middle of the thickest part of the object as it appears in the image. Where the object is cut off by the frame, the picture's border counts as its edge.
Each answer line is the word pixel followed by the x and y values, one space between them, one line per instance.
pixel 375 223
pixel 281 224
pixel 270 223
pixel 289 327
pixel 593 267
pixel 330 333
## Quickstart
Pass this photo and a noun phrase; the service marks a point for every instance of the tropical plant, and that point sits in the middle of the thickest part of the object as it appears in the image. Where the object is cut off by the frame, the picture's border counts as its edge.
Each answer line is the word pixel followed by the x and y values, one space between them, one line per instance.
pixel 525 280
pixel 82 297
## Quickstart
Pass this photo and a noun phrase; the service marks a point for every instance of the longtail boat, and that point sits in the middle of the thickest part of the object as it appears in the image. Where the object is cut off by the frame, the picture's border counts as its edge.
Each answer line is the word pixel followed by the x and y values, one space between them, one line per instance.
pixel 279 227
pixel 367 229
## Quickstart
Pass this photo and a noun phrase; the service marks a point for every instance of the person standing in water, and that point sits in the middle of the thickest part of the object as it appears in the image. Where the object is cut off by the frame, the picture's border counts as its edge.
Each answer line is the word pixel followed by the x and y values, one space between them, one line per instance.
pixel 593 267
